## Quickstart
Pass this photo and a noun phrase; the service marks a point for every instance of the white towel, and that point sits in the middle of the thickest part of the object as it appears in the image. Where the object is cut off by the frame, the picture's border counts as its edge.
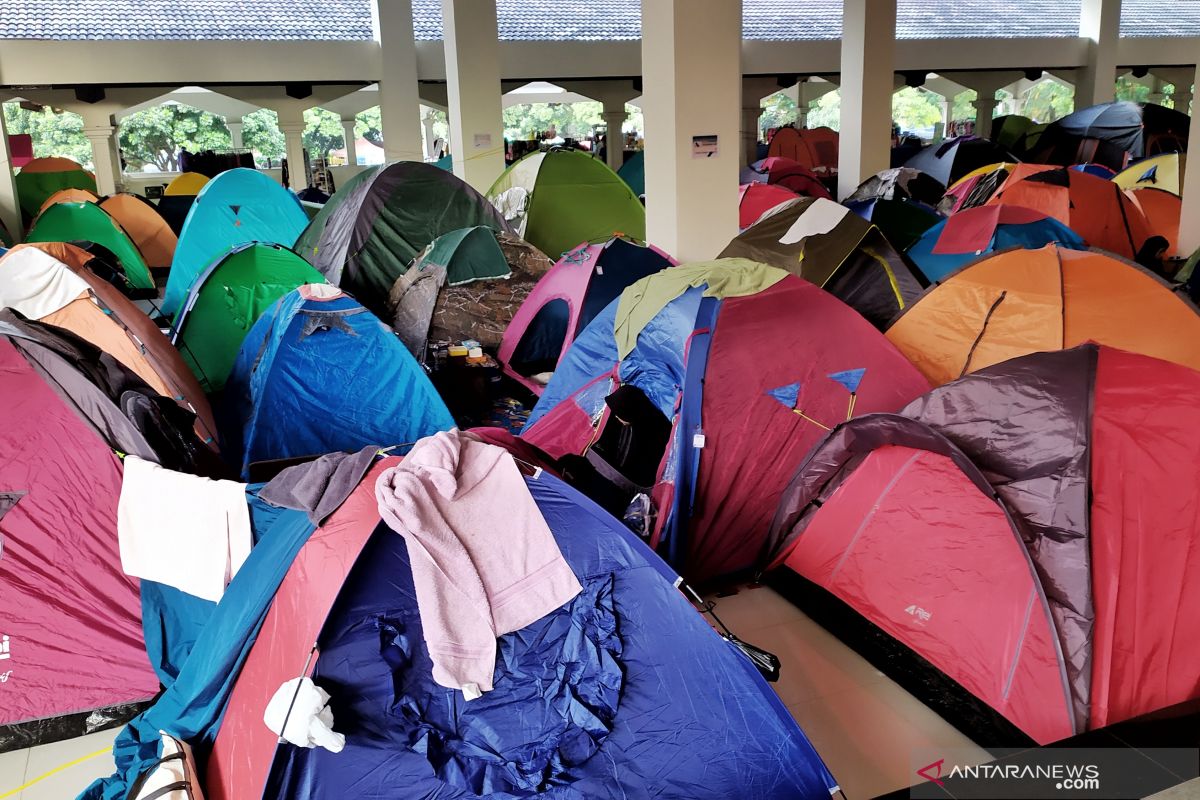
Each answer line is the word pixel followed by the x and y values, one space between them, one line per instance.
pixel 182 530
pixel 299 712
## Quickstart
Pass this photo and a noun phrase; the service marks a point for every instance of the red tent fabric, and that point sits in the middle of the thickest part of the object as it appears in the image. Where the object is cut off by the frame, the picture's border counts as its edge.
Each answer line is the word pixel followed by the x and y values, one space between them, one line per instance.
pixel 1028 529
pixel 66 608
pixel 757 199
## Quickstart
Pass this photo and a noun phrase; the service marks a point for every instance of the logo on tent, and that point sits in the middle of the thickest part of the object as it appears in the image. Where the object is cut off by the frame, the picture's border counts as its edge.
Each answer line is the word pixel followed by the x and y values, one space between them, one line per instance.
pixel 5 648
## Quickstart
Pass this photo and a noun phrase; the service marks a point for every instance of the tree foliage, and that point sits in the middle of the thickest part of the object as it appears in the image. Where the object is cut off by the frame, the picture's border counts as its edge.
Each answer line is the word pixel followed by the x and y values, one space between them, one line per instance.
pixel 260 133
pixel 322 132
pixel 369 125
pixel 54 134
pixel 154 136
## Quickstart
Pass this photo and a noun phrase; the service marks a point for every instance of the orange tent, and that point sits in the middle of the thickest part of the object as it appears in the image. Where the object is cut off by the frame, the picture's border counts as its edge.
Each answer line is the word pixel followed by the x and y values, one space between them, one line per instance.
pixel 53 164
pixel 1096 209
pixel 815 149
pixel 149 231
pixel 43 277
pixel 70 195
pixel 1026 301
pixel 1162 210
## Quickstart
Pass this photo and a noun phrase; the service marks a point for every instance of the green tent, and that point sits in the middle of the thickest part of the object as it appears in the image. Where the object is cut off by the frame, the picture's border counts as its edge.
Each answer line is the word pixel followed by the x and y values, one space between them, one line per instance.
pixel 88 222
pixel 560 199
pixel 226 299
pixel 373 228
pixel 467 254
pixel 6 239
pixel 34 188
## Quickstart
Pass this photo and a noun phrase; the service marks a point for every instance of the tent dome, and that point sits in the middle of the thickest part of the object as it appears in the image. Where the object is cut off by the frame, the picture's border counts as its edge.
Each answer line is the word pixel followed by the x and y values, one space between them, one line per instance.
pixel 318 373
pixel 1051 576
pixel 562 198
pixel 567 298
pixel 70 222
pixel 238 206
pixel 742 368
pixel 42 177
pixel 826 243
pixel 373 228
pixel 227 299
pixel 640 695
pixel 1022 301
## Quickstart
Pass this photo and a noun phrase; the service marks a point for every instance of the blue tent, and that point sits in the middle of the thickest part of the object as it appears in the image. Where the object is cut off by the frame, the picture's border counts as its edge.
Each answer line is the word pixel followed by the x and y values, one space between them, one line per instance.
pixel 633 172
pixel 319 373
pixel 623 692
pixel 238 206
pixel 993 228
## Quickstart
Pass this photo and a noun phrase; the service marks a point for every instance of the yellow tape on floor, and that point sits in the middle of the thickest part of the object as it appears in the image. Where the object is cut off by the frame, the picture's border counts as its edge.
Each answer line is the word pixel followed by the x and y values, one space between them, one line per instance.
pixel 55 771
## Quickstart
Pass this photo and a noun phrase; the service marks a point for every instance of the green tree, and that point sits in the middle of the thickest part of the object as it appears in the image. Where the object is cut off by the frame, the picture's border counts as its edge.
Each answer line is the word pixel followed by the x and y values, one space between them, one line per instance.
pixel 369 126
pixel 1129 89
pixel 154 136
pixel 322 132
pixel 261 134
pixel 1047 101
pixel 53 134
pixel 916 109
pixel 778 110
pixel 826 111
pixel 570 120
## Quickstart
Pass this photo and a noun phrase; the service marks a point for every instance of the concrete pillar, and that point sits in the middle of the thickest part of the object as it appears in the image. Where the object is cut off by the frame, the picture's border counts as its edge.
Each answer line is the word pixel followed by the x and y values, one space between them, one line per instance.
pixel 10 210
pixel 801 115
pixel 473 84
pixel 1100 24
pixel 399 102
pixel 1189 217
pixel 985 109
pixel 104 161
pixel 947 114
pixel 691 71
pixel 867 83
pixel 351 141
pixel 428 136
pixel 615 118
pixel 235 133
pixel 292 127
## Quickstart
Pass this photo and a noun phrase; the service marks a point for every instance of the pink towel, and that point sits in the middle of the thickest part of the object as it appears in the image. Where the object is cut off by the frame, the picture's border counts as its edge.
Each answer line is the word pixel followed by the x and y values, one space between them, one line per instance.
pixel 484 561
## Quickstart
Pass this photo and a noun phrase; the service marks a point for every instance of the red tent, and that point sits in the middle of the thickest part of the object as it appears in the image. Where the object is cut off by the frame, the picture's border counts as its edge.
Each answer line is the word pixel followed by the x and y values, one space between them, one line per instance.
pixel 756 199
pixel 1029 530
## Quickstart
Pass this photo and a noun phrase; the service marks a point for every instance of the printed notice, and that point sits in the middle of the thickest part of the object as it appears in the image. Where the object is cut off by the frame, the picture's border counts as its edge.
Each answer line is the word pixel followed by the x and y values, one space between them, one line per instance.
pixel 704 146
pixel 483 140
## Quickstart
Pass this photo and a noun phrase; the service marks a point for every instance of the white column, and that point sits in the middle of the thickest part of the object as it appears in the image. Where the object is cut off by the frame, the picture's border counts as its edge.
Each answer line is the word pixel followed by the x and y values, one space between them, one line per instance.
pixel 802 110
pixel 399 103
pixel 235 133
pixel 1189 217
pixel 473 84
pixel 691 73
pixel 1100 24
pixel 947 114
pixel 104 162
pixel 428 136
pixel 10 210
pixel 867 83
pixel 985 109
pixel 615 118
pixel 293 148
pixel 351 140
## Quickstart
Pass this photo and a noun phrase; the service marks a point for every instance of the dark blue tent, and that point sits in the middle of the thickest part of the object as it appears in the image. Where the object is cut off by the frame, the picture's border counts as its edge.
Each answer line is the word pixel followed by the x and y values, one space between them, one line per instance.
pixel 623 692
pixel 319 373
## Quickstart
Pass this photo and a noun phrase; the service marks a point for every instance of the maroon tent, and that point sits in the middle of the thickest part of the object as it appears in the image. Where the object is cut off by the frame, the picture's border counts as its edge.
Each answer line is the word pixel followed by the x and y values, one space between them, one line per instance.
pixel 1029 530
pixel 72 657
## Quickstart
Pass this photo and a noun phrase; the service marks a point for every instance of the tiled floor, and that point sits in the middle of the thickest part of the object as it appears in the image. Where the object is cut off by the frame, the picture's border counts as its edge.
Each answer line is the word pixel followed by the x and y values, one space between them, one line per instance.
pixel 862 724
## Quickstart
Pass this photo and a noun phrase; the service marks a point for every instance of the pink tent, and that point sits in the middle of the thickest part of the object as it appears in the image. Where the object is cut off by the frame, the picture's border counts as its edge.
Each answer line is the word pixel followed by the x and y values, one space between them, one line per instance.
pixel 66 609
pixel 567 298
